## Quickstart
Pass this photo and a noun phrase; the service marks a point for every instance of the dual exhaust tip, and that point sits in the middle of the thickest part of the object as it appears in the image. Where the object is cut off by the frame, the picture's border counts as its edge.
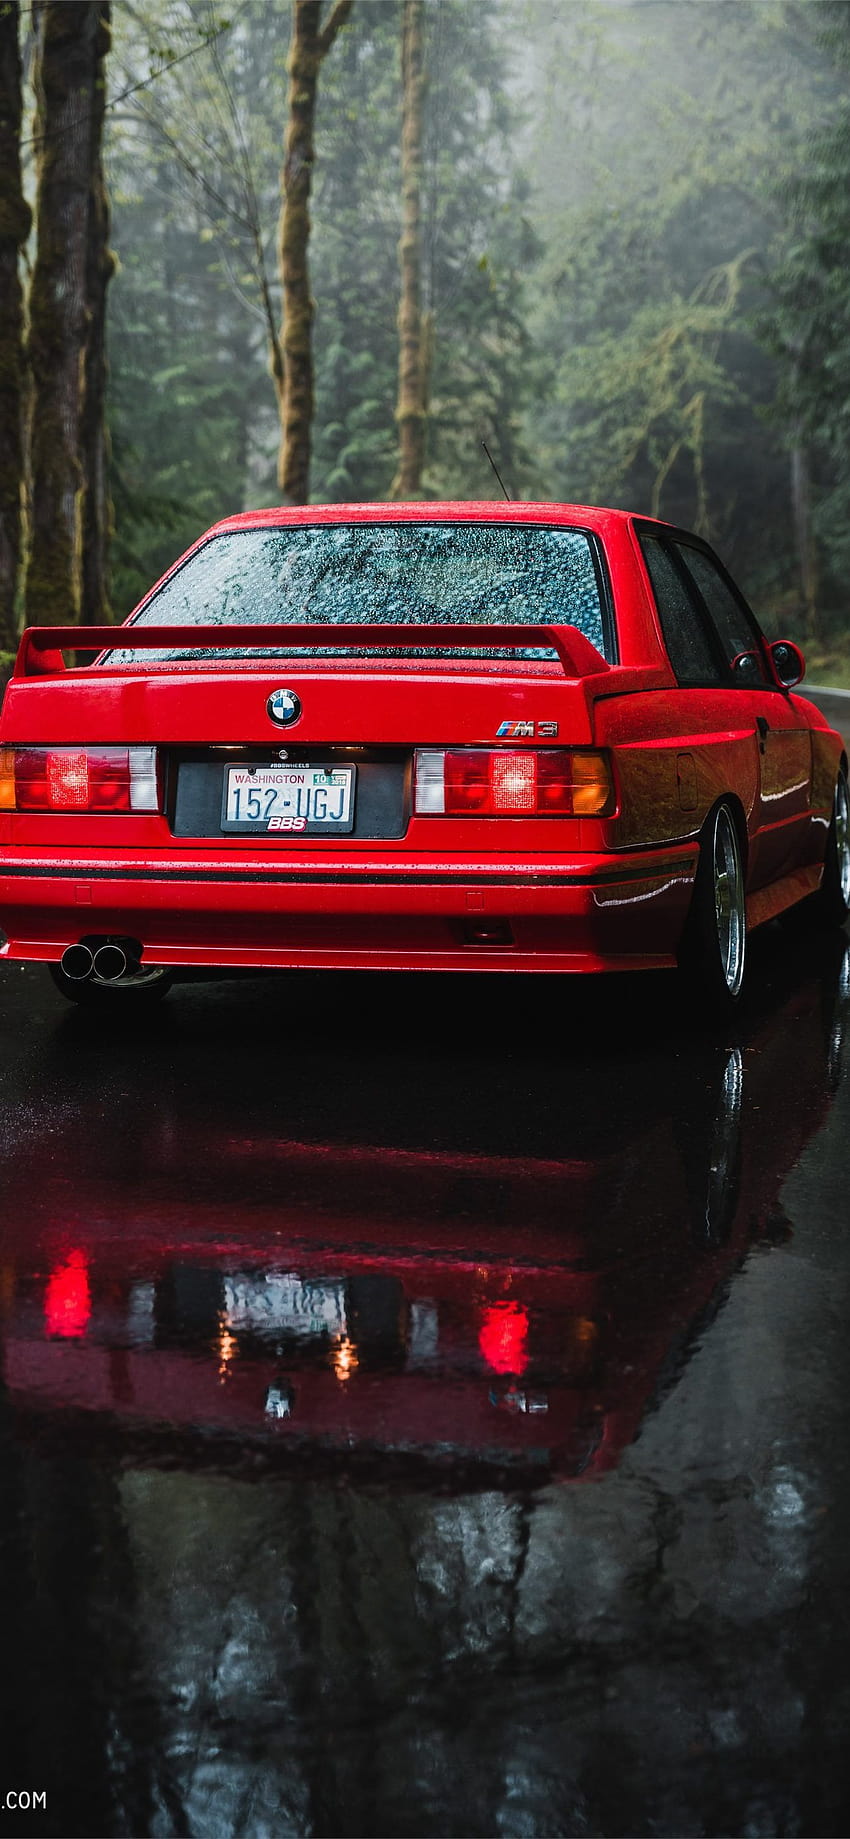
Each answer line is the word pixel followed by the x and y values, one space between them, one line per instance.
pixel 109 960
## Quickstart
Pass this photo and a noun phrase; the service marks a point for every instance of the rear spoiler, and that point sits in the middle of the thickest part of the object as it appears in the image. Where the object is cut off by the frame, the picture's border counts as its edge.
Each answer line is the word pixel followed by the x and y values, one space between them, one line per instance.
pixel 41 647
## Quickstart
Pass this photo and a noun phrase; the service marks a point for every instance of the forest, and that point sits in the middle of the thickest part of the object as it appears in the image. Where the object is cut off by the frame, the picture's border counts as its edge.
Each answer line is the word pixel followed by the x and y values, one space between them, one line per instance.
pixel 294 251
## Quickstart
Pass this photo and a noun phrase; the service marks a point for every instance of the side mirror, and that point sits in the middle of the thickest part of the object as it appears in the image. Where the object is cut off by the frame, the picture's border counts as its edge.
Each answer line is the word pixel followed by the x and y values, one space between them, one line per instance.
pixel 788 663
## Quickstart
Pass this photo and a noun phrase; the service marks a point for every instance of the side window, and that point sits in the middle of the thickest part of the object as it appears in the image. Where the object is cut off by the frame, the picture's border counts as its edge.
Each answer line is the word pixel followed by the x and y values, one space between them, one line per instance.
pixel 728 615
pixel 689 647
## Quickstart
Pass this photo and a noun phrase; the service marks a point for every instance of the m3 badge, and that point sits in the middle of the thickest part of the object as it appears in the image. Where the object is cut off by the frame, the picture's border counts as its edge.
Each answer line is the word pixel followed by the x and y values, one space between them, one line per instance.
pixel 526 731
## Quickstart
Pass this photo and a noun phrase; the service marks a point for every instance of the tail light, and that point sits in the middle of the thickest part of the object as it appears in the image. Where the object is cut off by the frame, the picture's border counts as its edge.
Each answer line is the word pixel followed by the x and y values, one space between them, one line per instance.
pixel 79 779
pixel 497 782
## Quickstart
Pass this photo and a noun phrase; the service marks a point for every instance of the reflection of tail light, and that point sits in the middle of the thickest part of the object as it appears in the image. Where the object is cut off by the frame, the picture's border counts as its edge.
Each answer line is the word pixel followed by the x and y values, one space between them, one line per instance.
pixel 580 1345
pixel 503 1337
pixel 345 1359
pixel 67 1299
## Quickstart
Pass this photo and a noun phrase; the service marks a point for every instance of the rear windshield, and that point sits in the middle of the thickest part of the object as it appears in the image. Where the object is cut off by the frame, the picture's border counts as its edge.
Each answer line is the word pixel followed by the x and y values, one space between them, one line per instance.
pixel 385 574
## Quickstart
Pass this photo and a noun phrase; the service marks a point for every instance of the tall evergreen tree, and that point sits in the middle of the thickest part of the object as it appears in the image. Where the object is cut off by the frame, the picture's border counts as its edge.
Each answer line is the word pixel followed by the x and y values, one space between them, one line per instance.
pixel 413 326
pixel 655 192
pixel 96 510
pixel 311 42
pixel 808 329
pixel 14 230
pixel 71 43
pixel 192 168
pixel 478 254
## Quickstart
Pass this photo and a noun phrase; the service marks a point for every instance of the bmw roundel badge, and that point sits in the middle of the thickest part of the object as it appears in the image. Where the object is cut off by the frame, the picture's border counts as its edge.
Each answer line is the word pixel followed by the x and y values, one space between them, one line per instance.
pixel 284 707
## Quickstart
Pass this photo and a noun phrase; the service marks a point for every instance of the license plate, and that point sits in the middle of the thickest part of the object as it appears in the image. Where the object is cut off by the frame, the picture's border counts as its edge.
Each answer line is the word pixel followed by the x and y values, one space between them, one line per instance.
pixel 281 1303
pixel 296 799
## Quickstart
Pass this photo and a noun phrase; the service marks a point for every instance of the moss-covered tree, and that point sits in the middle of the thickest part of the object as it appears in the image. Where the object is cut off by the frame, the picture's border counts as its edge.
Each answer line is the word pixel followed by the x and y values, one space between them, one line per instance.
pixel 65 316
pixel 413 326
pixel 14 230
pixel 293 362
pixel 100 265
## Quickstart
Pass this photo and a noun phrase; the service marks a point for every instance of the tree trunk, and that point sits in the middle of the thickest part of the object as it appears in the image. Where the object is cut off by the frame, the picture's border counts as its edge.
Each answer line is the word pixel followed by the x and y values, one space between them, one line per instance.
pixel 414 334
pixel 14 230
pixel 292 364
pixel 100 266
pixel 71 40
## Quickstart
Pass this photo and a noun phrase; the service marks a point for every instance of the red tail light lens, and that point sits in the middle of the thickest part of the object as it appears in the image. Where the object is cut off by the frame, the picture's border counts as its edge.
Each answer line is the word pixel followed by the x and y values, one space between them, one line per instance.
pixel 496 782
pixel 85 779
pixel 68 781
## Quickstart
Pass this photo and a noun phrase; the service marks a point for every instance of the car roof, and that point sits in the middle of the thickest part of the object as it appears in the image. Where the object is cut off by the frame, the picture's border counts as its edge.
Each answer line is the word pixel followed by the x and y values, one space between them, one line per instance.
pixel 590 517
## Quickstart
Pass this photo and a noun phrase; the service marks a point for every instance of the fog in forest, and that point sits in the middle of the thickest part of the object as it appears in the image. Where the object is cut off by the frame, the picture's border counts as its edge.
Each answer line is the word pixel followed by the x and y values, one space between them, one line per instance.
pixel 632 227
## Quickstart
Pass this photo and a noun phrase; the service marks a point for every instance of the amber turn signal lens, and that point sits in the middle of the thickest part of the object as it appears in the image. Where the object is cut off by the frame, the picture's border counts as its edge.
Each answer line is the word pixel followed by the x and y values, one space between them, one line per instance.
pixel 7 778
pixel 593 789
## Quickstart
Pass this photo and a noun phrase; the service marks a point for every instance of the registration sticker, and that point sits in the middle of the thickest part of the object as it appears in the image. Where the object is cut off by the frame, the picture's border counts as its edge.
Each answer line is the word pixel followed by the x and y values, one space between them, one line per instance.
pixel 298 798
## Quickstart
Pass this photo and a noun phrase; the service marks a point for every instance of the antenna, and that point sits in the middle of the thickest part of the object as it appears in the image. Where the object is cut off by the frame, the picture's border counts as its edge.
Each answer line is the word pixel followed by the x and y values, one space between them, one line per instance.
pixel 496 471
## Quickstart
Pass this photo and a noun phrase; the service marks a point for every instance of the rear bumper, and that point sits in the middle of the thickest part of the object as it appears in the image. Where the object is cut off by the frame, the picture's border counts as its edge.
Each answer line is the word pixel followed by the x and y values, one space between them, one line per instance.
pixel 398 912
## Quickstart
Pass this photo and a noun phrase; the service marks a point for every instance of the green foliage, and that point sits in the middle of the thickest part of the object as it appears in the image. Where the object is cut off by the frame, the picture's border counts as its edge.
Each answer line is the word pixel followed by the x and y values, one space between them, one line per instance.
pixel 610 192
pixel 807 325
pixel 192 409
pixel 659 141
pixel 478 245
pixel 195 176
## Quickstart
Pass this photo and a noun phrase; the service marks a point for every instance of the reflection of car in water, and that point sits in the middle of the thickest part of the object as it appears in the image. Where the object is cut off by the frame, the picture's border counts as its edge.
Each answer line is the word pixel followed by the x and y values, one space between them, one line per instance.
pixel 474 1311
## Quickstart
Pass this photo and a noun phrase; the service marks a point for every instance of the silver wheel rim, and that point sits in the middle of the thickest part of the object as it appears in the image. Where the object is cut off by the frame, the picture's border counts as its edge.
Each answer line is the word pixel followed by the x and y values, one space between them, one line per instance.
pixel 842 837
pixel 729 912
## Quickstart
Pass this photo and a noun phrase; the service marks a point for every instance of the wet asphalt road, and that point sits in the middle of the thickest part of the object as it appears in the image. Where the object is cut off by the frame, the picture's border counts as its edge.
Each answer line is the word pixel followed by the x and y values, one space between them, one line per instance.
pixel 425 1408
pixel 834 704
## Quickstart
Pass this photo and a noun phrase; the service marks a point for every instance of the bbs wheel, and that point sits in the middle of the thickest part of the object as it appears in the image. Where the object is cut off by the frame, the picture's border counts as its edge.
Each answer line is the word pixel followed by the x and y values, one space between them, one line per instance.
pixel 833 897
pixel 715 946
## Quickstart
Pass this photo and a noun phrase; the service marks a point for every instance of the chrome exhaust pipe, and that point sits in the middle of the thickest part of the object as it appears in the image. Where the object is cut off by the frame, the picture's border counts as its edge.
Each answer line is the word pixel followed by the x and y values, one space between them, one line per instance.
pixel 77 962
pixel 109 963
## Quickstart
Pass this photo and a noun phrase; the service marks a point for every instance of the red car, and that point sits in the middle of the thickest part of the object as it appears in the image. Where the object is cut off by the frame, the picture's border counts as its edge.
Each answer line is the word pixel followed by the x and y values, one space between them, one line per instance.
pixel 579 755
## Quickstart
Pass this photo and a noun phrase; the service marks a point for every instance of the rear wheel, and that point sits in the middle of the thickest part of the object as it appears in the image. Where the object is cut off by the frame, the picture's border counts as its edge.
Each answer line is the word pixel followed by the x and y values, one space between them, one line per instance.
pixel 833 897
pixel 715 946
pixel 121 996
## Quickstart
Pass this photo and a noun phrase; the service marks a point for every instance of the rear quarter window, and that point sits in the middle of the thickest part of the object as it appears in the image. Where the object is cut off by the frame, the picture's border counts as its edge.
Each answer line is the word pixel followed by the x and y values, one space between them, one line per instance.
pixel 727 611
pixel 689 646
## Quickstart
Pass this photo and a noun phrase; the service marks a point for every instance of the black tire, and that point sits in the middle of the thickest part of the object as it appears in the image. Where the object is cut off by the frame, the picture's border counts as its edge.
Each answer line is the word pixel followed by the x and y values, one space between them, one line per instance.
pixel 126 996
pixel 714 948
pixel 832 901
